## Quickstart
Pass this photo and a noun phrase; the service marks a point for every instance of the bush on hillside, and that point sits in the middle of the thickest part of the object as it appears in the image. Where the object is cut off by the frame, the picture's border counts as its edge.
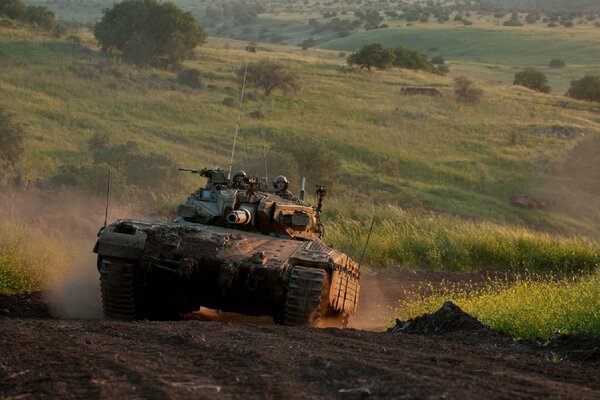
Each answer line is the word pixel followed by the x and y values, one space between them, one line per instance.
pixel 532 79
pixel 11 140
pixel 269 75
pixel 190 77
pixel 557 63
pixel 466 90
pixel 375 55
pixel 437 60
pixel 586 88
pixel 39 16
pixel 411 59
pixel 372 55
pixel 147 32
pixel 14 9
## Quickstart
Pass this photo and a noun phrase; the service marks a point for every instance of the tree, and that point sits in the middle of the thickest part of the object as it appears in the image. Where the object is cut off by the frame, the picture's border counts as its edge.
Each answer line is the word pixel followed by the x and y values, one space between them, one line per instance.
pixel 40 16
pixel 11 140
pixel 13 9
pixel 586 88
pixel 532 79
pixel 466 90
pixel 147 32
pixel 557 63
pixel 372 55
pixel 411 59
pixel 269 75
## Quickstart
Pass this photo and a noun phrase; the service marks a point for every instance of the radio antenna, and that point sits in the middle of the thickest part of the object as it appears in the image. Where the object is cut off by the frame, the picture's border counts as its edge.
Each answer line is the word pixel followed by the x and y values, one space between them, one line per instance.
pixel 367 243
pixel 237 123
pixel 265 154
pixel 107 195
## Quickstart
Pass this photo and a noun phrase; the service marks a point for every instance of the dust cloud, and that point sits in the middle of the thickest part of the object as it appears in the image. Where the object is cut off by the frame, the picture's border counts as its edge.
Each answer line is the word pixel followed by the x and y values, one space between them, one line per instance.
pixel 63 223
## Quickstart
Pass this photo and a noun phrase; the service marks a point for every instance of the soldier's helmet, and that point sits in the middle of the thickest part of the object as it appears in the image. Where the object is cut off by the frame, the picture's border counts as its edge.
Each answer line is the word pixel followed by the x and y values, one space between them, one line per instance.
pixel 239 175
pixel 280 178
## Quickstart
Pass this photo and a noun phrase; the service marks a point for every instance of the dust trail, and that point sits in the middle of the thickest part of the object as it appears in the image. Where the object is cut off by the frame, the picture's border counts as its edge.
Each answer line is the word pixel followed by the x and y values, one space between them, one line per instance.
pixel 66 223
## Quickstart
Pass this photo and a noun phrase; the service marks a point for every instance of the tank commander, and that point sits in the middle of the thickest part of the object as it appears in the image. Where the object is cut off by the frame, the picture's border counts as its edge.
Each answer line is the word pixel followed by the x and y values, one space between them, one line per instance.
pixel 237 182
pixel 281 185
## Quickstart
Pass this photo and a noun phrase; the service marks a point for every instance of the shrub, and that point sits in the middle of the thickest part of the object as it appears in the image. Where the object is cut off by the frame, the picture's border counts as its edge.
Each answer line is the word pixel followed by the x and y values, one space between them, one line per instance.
pixel 11 140
pixel 147 32
pixel 14 9
pixel 229 102
pixel 443 69
pixel 586 88
pixel 438 60
pixel 40 16
pixel 190 77
pixel 466 90
pixel 532 79
pixel 269 75
pixel 372 55
pixel 411 59
pixel 557 63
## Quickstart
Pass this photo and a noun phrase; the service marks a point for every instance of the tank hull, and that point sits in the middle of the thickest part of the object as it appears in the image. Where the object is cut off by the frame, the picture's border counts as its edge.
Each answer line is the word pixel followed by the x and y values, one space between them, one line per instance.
pixel 158 270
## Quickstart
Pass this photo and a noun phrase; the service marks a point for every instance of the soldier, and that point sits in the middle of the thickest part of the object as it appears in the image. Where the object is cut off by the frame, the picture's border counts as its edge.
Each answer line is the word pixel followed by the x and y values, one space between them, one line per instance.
pixel 281 188
pixel 237 182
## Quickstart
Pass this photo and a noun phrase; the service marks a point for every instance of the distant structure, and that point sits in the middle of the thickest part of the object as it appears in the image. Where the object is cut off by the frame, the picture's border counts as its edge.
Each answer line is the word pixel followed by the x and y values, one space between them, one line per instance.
pixel 421 91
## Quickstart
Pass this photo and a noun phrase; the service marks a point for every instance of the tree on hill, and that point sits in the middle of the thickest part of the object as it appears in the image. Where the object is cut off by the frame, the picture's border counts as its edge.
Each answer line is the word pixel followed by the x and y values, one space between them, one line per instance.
pixel 532 79
pixel 269 75
pixel 11 140
pixel 411 59
pixel 147 32
pixel 372 55
pixel 586 88
pixel 39 16
pixel 13 9
pixel 557 63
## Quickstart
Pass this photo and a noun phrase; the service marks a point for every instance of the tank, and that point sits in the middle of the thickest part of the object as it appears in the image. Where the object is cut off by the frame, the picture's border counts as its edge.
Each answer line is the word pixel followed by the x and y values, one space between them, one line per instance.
pixel 233 247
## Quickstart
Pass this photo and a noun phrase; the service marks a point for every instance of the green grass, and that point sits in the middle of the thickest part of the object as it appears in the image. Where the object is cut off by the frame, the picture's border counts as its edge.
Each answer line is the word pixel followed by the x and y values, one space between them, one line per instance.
pixel 531 307
pixel 421 240
pixel 455 163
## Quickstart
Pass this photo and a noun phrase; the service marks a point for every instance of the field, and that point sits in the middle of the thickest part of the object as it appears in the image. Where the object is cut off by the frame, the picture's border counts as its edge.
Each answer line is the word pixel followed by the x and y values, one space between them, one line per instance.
pixel 492 205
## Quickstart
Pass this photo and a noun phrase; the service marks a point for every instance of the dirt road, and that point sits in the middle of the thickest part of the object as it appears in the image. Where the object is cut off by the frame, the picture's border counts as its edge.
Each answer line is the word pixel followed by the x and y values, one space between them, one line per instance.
pixel 41 357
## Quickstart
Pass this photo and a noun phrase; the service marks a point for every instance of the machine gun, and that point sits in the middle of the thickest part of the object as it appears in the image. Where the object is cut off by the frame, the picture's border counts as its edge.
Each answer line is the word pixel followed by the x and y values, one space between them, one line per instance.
pixel 216 176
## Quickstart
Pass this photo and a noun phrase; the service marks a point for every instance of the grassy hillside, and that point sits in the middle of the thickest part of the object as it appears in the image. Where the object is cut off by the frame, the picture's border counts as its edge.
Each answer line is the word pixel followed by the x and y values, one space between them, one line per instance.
pixel 549 5
pixel 430 155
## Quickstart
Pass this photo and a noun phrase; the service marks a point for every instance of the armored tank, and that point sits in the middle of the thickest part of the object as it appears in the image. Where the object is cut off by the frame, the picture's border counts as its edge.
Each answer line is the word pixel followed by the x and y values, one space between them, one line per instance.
pixel 233 247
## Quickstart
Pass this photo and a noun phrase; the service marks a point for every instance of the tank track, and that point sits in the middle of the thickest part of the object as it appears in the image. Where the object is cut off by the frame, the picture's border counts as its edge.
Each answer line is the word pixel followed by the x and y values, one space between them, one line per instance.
pixel 118 288
pixel 304 296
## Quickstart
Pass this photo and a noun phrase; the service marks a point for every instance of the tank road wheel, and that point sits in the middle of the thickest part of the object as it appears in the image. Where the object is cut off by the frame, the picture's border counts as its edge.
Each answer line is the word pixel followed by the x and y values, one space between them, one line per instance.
pixel 304 296
pixel 118 288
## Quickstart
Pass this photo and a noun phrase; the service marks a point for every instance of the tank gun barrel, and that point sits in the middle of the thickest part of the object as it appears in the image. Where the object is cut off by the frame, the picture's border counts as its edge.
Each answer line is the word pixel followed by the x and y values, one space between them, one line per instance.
pixel 239 217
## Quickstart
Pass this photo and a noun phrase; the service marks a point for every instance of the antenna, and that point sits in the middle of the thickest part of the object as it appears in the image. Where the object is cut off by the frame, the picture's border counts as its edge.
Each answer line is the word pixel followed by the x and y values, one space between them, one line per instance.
pixel 107 194
pixel 265 154
pixel 303 188
pixel 367 243
pixel 237 123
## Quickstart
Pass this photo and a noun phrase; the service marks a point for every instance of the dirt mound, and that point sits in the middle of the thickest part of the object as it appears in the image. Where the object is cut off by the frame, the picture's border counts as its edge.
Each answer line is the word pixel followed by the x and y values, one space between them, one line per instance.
pixel 448 319
pixel 576 348
pixel 28 305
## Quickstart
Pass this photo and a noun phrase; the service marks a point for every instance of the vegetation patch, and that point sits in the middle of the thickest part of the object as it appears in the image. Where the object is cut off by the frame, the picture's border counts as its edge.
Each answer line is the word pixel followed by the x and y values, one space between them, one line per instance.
pixel 528 307
pixel 428 241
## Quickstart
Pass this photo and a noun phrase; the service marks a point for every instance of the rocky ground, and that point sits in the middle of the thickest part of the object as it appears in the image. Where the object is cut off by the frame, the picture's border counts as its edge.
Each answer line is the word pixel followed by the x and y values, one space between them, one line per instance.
pixel 447 354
